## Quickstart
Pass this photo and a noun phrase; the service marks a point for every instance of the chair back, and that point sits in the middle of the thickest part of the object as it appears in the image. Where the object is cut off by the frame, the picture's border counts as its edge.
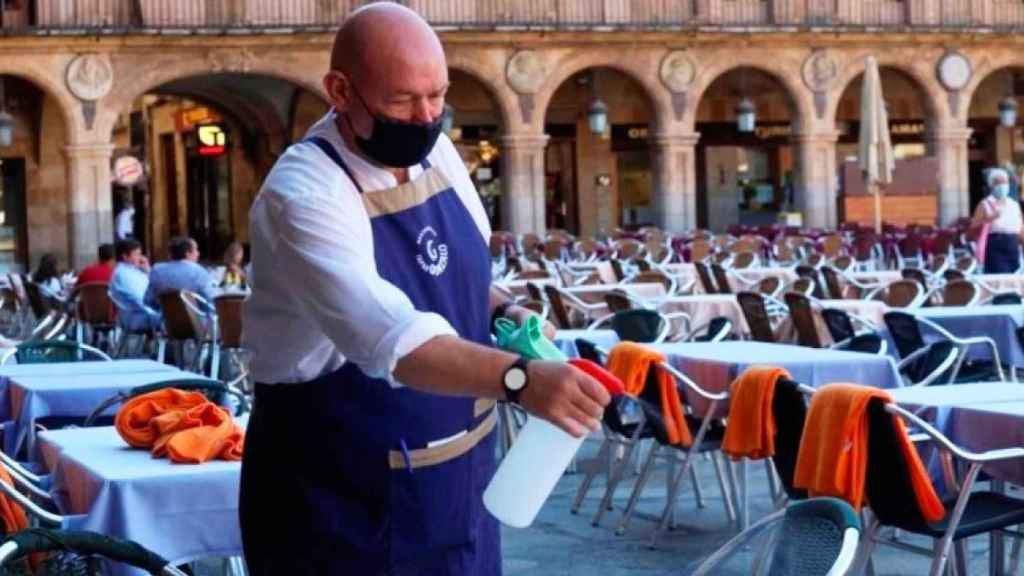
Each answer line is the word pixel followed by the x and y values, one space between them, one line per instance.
pixel 721 279
pixel 618 301
pixel 789 406
pixel 558 308
pixel 756 314
pixel 94 305
pixel 952 274
pixel 529 242
pixel 783 251
pixel 938 264
pixel 659 253
pixel 916 275
pixel 538 306
pixel 887 484
pixel 654 277
pixel 588 351
pixel 177 319
pixel 628 248
pixel 1007 298
pixel 967 264
pixel 587 248
pixel 832 282
pixel 743 260
pixel 803 285
pixel 903 293
pixel 814 260
pixel 811 272
pixel 55 351
pixel 905 332
pixel 719 329
pixel 864 247
pixel 534 274
pixel 909 246
pixel 699 250
pixel 839 324
pixel 843 262
pixel 832 245
pixel 617 270
pixel 554 249
pixel 640 325
pixel 960 293
pixel 704 275
pixel 815 538
pixel 802 314
pixel 769 285
pixel 533 289
pixel 229 315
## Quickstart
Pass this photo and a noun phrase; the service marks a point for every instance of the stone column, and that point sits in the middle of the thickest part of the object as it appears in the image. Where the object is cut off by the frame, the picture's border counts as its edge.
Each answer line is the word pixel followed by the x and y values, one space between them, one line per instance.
pixel 90 222
pixel 815 178
pixel 522 182
pixel 949 145
pixel 674 190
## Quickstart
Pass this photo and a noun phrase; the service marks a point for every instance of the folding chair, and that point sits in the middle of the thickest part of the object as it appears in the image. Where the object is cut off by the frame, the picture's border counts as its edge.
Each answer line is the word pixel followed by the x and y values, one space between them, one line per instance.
pixel 707 283
pixel 756 312
pixel 844 337
pixel 926 364
pixel 812 538
pixel 95 311
pixel 188 317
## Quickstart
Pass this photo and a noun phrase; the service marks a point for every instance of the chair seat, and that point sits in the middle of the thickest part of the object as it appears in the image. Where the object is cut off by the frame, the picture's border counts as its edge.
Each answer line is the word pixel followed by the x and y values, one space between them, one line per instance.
pixel 980 371
pixel 985 511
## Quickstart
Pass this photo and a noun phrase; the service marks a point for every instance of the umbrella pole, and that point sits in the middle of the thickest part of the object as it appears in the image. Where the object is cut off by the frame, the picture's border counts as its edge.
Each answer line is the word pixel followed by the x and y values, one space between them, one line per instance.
pixel 877 192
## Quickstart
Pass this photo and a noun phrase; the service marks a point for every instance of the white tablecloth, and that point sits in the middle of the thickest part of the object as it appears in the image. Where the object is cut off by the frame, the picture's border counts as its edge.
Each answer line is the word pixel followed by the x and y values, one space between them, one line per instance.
pixel 182 512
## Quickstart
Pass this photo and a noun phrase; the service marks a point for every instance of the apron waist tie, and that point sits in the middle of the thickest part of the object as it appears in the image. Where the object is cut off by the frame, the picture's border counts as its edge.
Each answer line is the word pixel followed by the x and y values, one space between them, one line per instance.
pixel 432 456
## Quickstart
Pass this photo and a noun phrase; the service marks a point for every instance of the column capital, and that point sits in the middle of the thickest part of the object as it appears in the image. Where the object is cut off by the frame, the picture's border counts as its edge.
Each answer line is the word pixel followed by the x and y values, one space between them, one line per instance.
pixel 89 150
pixel 524 140
pixel 950 134
pixel 674 139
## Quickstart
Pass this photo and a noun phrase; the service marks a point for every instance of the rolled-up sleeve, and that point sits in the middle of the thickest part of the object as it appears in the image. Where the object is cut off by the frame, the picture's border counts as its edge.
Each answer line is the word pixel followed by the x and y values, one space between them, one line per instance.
pixel 324 251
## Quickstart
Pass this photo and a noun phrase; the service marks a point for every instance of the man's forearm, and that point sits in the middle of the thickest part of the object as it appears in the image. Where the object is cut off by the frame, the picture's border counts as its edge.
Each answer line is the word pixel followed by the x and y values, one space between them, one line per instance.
pixel 451 366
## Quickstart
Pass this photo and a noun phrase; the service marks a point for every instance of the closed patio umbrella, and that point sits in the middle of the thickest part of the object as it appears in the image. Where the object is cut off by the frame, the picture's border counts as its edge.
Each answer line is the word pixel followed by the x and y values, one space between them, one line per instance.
pixel 875 146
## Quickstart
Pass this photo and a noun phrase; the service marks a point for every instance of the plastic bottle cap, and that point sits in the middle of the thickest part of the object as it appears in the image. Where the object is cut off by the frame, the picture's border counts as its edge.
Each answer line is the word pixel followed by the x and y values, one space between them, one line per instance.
pixel 611 382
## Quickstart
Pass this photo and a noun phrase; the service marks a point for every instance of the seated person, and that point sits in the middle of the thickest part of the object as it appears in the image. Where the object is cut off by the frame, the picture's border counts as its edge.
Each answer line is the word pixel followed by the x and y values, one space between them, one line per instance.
pixel 47 277
pixel 102 271
pixel 183 272
pixel 128 288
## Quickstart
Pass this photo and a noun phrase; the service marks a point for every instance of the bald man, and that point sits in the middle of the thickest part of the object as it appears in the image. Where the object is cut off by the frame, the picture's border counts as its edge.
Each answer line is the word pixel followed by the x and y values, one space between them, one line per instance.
pixel 371 441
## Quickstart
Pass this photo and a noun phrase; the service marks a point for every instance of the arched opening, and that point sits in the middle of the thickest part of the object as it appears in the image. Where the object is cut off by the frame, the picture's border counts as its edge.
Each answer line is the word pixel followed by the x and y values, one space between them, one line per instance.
pixel 598 178
pixel 745 174
pixel 207 143
pixel 33 178
pixel 475 130
pixel 912 198
pixel 993 143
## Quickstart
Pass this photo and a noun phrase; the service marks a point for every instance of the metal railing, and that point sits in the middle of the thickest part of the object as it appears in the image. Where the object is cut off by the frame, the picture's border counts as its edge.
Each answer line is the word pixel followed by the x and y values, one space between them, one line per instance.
pixel 127 16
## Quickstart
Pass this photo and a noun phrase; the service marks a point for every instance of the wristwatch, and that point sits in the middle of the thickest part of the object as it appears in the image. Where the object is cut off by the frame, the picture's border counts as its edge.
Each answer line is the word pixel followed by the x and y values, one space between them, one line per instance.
pixel 515 379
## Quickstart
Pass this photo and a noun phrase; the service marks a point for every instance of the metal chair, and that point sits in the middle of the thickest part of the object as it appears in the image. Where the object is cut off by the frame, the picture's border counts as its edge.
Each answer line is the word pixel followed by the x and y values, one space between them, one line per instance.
pixel 721 279
pixel 124 347
pixel 802 314
pixel 53 351
pixel 707 283
pixel 560 302
pixel 770 286
pixel 95 311
pixel 755 311
pixel 655 277
pixel 188 317
pixel 844 337
pixel 960 293
pixel 229 318
pixel 943 360
pixel 900 294
pixel 812 537
pixel 1006 298
pixel 743 260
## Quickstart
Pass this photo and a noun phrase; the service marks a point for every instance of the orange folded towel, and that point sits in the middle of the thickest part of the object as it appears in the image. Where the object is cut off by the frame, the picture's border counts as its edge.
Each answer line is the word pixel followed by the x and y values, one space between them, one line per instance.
pixel 11 513
pixel 751 430
pixel 183 426
pixel 632 362
pixel 833 459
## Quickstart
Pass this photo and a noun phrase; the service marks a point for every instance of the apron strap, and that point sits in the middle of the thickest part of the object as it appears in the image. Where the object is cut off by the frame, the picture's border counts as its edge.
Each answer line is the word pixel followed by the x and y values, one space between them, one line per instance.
pixel 332 153
pixel 412 459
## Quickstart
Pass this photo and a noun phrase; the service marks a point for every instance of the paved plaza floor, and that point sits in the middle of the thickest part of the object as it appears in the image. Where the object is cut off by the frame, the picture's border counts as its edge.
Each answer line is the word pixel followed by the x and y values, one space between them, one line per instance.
pixel 561 543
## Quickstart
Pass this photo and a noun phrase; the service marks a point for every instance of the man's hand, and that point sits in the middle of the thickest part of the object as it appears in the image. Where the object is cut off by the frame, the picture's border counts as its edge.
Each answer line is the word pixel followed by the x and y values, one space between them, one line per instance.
pixel 564 396
pixel 519 315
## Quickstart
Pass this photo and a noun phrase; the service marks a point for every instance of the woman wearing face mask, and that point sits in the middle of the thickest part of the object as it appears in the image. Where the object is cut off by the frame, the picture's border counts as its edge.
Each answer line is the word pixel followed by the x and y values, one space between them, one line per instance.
pixel 1003 216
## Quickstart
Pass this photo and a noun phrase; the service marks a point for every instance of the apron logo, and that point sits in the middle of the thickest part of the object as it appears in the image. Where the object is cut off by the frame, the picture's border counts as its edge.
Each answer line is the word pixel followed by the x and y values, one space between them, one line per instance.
pixel 433 256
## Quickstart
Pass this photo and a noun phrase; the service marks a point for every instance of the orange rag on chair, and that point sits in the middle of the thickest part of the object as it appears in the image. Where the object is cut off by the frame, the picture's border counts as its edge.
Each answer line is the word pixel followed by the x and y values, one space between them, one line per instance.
pixel 833 456
pixel 751 430
pixel 632 362
pixel 184 426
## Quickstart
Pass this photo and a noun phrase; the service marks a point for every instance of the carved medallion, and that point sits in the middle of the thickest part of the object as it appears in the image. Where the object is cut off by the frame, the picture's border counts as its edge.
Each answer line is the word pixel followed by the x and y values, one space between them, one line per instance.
pixel 820 71
pixel 90 76
pixel 677 71
pixel 526 72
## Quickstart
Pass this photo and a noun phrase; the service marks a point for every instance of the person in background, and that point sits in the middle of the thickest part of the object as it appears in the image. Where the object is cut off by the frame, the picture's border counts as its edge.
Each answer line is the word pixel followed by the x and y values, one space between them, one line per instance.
pixel 128 287
pixel 102 270
pixel 1003 215
pixel 124 223
pixel 234 275
pixel 183 272
pixel 46 275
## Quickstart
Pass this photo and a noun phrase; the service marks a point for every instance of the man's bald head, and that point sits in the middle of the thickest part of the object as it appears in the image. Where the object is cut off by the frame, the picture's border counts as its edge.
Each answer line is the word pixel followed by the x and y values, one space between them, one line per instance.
pixel 383 34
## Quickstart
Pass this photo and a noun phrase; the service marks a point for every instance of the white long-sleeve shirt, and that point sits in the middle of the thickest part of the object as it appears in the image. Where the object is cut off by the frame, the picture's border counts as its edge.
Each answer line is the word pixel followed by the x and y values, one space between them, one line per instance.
pixel 317 300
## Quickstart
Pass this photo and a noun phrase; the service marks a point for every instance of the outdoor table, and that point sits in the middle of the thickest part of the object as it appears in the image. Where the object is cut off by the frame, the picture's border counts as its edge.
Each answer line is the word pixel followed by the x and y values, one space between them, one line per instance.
pixel 997 322
pixel 518 287
pixel 34 397
pixel 566 340
pixel 747 279
pixel 594 293
pixel 993 284
pixel 182 512
pixel 73 369
pixel 703 307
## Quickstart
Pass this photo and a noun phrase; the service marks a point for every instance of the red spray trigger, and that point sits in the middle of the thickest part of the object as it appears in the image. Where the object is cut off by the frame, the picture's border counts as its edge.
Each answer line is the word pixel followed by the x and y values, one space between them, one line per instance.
pixel 610 381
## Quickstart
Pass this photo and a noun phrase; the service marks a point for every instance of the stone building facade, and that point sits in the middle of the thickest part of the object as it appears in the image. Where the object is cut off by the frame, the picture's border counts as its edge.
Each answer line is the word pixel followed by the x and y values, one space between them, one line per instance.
pixel 88 74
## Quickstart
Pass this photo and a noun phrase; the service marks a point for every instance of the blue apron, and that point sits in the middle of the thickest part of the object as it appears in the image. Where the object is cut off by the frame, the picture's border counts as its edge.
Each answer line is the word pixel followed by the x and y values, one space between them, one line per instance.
pixel 345 474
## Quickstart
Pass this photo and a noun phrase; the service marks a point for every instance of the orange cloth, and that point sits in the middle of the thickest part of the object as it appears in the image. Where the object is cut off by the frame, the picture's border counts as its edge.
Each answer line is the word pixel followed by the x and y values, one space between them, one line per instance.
pixel 632 362
pixel 751 430
pixel 11 513
pixel 833 456
pixel 184 426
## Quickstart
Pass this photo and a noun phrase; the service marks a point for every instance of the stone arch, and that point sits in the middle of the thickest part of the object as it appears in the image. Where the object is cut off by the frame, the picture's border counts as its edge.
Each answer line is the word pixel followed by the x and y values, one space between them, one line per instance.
pixel 987 69
pixel 782 72
pixel 52 86
pixel 134 76
pixel 932 97
pixel 641 69
pixel 503 98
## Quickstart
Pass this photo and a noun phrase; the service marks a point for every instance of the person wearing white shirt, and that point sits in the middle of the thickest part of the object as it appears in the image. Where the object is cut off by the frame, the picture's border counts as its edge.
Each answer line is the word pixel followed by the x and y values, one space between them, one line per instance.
pixel 369 323
pixel 124 222
pixel 1003 216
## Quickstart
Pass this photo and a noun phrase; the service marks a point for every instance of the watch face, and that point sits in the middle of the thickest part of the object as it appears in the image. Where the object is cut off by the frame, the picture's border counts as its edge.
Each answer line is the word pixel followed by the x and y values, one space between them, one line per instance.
pixel 515 379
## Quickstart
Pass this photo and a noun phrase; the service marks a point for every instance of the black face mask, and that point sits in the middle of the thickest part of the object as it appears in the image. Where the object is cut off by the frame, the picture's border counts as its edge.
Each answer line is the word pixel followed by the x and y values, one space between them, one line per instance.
pixel 397 143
